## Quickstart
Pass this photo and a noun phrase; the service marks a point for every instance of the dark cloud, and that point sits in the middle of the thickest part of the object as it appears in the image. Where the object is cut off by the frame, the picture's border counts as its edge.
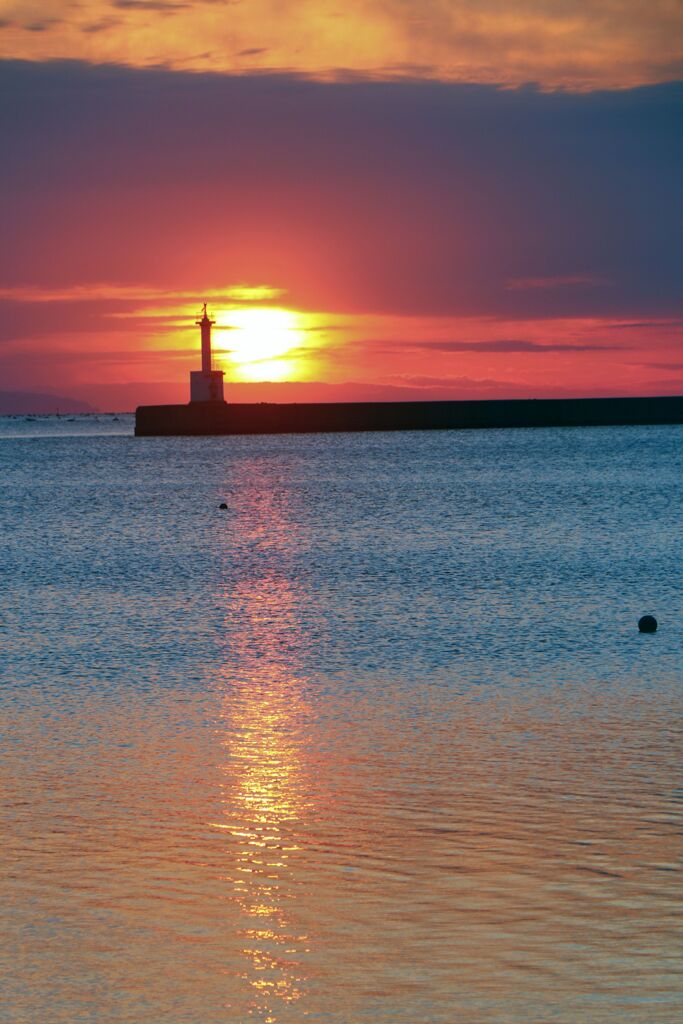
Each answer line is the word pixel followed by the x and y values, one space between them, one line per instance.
pixel 644 325
pixel 396 197
pixel 517 345
pixel 663 366
pixel 150 5
pixel 493 345
pixel 567 281
pixel 99 26
pixel 42 26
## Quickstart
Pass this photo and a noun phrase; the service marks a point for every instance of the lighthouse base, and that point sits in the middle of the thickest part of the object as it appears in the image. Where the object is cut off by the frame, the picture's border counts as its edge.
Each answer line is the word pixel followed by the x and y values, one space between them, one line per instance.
pixel 206 387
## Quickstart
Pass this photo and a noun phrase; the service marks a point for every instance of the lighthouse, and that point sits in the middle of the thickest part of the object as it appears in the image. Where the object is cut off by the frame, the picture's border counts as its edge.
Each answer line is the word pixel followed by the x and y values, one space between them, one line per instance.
pixel 206 385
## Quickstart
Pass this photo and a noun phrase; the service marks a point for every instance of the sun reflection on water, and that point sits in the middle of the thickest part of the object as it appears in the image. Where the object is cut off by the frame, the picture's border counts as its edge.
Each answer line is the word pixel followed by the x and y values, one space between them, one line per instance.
pixel 265 799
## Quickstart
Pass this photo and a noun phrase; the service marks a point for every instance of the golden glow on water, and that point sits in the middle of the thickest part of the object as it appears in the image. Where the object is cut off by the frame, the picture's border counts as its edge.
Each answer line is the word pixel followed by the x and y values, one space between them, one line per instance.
pixel 265 801
pixel 328 777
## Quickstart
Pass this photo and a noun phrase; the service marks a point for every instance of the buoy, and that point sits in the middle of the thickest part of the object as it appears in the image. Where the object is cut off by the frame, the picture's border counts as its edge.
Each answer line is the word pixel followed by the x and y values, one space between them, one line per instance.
pixel 647 624
pixel 223 506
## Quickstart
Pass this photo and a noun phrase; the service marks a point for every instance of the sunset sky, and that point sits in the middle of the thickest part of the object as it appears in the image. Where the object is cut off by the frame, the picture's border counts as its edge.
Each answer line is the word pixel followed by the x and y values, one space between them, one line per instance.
pixel 382 198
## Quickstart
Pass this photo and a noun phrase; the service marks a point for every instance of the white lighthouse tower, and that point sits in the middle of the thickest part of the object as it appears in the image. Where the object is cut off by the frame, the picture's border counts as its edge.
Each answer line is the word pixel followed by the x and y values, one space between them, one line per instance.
pixel 206 385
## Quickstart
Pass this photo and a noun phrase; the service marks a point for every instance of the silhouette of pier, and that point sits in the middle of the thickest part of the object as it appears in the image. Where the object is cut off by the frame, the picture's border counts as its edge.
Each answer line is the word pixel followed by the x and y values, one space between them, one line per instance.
pixel 222 418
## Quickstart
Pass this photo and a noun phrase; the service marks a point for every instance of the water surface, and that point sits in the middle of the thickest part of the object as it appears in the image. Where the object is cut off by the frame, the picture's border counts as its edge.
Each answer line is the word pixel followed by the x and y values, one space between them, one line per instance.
pixel 381 743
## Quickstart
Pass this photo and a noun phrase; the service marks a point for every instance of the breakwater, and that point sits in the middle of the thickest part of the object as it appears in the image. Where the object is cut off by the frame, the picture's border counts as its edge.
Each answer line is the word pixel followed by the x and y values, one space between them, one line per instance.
pixel 220 418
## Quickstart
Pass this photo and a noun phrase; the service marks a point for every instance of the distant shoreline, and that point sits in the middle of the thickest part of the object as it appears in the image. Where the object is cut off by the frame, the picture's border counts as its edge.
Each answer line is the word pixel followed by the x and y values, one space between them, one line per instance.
pixel 34 403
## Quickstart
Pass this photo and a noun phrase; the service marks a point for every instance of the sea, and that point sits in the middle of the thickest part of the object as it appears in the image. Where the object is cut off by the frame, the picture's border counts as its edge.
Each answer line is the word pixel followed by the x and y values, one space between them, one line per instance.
pixel 379 743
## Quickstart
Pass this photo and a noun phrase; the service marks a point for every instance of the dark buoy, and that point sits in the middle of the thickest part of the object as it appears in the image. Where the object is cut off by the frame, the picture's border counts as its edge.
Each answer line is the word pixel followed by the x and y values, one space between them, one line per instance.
pixel 223 506
pixel 647 624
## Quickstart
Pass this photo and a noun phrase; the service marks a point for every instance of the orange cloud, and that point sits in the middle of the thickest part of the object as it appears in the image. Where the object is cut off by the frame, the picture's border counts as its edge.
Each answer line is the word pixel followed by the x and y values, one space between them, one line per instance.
pixel 581 44
pixel 137 293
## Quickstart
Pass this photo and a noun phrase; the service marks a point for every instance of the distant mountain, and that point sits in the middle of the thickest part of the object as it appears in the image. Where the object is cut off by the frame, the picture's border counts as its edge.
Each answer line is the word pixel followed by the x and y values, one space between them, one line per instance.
pixel 23 403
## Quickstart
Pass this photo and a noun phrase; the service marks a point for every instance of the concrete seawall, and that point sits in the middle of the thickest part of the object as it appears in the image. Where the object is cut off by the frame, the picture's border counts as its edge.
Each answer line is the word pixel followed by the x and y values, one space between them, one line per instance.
pixel 217 418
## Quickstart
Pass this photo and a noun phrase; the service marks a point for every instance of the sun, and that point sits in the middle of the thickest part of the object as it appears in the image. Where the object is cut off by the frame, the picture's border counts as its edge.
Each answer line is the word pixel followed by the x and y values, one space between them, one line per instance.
pixel 262 343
